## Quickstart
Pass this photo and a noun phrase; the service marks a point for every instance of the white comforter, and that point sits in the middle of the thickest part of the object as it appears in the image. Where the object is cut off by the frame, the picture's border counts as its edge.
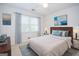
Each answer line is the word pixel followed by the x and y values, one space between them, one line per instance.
pixel 48 46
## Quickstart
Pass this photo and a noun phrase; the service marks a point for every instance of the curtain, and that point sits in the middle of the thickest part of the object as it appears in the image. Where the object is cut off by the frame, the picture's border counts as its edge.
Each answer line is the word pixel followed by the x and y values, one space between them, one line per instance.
pixel 18 28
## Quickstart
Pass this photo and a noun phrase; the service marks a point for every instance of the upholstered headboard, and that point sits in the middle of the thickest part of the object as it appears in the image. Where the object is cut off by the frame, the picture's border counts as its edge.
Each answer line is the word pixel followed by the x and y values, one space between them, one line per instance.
pixel 69 29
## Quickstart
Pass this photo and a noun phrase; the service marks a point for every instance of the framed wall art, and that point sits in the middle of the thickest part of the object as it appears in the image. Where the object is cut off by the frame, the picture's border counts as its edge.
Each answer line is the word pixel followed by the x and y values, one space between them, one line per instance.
pixel 60 20
pixel 6 19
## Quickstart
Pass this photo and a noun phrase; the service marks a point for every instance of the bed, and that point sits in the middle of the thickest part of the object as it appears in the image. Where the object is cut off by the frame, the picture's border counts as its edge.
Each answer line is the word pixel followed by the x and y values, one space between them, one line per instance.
pixel 49 45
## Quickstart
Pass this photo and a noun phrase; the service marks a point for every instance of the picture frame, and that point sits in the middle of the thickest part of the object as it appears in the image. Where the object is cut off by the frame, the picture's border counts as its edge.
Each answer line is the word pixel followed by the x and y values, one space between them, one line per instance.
pixel 60 20
pixel 6 19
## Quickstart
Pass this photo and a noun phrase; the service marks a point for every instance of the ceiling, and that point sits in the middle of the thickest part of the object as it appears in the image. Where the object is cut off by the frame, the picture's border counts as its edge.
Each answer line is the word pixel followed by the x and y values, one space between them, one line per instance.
pixel 39 9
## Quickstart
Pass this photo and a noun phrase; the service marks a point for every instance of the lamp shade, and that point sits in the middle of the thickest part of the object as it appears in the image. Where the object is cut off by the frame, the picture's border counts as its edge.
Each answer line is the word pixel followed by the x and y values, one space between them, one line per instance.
pixel 47 30
pixel 76 30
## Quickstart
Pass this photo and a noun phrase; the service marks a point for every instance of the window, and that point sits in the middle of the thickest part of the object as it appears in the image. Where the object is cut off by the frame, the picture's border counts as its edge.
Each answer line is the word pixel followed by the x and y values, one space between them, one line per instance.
pixel 30 24
pixel 25 23
pixel 34 24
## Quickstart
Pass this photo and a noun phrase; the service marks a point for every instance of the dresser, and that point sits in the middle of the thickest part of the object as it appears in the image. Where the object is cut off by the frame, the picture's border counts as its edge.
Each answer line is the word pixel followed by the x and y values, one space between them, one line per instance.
pixel 5 47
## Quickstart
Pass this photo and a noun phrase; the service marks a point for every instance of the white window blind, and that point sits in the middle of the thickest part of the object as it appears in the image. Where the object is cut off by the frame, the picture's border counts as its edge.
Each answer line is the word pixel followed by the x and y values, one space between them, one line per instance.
pixel 30 24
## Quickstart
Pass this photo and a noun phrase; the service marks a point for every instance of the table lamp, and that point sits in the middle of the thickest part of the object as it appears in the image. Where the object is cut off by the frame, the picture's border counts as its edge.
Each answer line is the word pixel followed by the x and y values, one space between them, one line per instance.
pixel 76 31
pixel 46 31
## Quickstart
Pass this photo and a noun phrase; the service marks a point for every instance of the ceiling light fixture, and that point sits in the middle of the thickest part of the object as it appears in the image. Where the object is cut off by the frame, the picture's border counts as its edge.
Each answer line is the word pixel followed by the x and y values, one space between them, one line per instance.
pixel 45 5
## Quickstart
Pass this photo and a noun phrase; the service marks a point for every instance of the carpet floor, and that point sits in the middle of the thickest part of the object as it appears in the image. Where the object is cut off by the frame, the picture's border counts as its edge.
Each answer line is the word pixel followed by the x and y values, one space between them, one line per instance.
pixel 25 51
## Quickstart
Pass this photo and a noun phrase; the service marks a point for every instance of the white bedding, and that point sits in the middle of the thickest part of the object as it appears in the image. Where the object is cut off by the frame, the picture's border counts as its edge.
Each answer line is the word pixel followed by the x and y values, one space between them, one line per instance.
pixel 50 46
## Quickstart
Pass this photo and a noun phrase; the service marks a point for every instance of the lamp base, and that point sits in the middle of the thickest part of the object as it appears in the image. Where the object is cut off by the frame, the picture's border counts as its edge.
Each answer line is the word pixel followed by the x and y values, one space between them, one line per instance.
pixel 76 36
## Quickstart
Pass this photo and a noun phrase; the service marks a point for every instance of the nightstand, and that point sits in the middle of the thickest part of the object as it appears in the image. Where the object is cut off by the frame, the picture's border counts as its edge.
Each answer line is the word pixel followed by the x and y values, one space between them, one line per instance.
pixel 76 43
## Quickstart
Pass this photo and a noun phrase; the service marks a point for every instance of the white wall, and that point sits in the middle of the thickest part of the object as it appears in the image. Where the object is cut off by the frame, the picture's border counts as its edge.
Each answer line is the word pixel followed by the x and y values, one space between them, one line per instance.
pixel 10 30
pixel 72 13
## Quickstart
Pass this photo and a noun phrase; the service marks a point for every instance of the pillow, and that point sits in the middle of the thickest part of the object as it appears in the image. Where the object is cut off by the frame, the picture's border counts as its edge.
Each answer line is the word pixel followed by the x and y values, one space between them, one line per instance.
pixel 56 33
pixel 65 33
pixel 60 33
pixel 3 38
pixel 59 37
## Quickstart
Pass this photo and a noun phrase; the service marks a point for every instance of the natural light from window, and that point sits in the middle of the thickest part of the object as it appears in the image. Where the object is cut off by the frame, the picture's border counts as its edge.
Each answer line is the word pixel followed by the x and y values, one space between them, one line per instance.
pixel 29 24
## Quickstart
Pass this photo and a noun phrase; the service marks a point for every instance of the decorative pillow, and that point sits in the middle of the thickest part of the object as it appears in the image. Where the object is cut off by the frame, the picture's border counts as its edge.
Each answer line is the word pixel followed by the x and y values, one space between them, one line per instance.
pixel 65 33
pixel 60 33
pixel 3 38
pixel 57 33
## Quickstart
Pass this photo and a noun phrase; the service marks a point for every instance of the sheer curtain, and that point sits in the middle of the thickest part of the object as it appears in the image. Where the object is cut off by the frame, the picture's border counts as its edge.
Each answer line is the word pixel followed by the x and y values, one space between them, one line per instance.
pixel 30 24
pixel 29 27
